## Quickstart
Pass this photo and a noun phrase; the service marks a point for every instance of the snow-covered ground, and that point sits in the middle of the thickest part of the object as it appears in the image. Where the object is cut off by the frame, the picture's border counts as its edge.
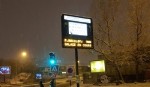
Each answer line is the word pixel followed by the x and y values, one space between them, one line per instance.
pixel 147 84
pixel 20 78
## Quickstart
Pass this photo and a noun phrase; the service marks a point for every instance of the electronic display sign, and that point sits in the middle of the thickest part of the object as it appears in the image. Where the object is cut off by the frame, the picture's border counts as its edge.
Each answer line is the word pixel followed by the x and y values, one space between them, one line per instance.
pixel 5 70
pixel 77 32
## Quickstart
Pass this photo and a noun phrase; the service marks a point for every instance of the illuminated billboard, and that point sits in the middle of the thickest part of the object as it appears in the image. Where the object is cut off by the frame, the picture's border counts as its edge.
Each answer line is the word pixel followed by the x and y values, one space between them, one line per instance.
pixel 98 66
pixel 5 70
pixel 77 32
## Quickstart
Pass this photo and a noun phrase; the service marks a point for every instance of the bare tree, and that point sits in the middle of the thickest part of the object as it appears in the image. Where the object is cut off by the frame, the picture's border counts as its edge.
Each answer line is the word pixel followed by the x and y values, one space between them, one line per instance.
pixel 138 23
pixel 105 15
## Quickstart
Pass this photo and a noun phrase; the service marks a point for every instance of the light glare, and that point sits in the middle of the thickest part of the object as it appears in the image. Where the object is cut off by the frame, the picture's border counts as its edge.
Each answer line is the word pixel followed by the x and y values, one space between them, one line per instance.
pixel 77 29
pixel 77 19
pixel 24 54
pixel 98 66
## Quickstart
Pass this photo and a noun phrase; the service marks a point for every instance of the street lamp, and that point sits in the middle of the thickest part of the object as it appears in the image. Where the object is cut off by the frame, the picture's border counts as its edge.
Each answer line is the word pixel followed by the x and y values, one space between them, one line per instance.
pixel 24 54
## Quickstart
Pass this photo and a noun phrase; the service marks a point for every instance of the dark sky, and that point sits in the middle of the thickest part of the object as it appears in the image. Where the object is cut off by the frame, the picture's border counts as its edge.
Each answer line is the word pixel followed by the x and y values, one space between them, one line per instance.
pixel 35 26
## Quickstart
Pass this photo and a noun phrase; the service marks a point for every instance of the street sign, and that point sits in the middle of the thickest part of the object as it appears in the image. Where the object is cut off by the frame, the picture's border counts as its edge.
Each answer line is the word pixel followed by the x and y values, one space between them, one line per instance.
pixel 53 76
pixel 38 76
pixel 70 70
pixel 55 68
pixel 47 69
pixel 77 79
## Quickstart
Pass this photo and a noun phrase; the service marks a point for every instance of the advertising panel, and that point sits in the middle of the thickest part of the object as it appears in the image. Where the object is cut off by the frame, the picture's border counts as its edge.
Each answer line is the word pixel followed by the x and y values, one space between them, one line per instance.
pixel 5 70
pixel 98 66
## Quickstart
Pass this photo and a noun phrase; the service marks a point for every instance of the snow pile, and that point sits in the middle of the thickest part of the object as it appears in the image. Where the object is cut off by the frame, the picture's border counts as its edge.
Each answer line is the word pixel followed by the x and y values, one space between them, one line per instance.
pixel 20 78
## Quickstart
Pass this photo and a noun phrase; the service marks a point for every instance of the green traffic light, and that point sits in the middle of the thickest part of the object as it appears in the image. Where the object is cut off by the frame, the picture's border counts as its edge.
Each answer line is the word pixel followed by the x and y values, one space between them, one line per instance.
pixel 52 62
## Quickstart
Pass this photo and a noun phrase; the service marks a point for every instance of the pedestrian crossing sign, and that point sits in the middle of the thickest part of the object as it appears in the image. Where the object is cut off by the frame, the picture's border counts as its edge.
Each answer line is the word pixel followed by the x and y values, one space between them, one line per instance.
pixel 55 68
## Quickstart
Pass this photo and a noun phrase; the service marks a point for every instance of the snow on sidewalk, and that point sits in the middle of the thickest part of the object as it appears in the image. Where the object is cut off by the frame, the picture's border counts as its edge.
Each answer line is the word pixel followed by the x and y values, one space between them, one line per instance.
pixel 147 84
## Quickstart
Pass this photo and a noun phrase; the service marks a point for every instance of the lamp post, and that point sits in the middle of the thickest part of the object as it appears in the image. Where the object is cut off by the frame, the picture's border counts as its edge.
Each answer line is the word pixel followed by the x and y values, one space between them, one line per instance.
pixel 23 56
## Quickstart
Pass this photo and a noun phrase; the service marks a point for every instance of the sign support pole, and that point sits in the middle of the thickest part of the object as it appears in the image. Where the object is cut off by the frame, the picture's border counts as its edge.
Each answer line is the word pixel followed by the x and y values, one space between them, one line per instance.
pixel 70 83
pixel 76 61
pixel 4 79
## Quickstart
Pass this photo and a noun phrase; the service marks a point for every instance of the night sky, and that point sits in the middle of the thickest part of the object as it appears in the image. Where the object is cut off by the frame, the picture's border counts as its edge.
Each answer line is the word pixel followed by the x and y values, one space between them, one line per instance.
pixel 35 26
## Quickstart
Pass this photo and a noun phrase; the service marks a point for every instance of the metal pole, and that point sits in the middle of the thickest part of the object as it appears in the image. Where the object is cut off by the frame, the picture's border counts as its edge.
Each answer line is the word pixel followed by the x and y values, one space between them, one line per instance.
pixel 76 61
pixel 70 83
pixel 4 79
pixel 16 68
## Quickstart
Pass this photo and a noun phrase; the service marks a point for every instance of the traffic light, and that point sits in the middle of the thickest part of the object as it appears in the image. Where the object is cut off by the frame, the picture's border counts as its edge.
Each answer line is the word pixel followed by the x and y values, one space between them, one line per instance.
pixel 52 59
pixel 52 62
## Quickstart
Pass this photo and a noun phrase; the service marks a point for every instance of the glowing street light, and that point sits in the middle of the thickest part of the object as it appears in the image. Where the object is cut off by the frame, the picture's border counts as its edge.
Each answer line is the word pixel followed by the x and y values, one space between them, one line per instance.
pixel 24 54
pixel 78 61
